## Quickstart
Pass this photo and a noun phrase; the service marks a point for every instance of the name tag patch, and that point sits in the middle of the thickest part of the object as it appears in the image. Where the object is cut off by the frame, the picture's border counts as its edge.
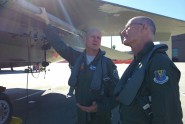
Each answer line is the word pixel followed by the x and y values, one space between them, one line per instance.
pixel 160 77
pixel 93 68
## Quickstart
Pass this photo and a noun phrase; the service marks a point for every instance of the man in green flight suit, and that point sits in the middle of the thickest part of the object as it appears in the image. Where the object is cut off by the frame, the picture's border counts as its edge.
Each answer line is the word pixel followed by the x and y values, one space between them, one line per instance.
pixel 148 91
pixel 93 75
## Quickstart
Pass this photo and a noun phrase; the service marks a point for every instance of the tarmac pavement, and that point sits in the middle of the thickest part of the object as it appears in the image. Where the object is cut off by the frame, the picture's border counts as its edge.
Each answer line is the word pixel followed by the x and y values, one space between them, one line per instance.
pixel 47 95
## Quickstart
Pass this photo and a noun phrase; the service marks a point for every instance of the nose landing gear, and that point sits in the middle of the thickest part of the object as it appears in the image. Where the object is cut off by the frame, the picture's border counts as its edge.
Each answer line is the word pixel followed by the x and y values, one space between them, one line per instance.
pixel 6 108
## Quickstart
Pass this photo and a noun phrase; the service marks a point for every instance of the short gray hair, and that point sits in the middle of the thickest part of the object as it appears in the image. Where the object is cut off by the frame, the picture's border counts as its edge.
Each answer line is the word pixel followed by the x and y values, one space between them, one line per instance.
pixel 148 21
pixel 90 30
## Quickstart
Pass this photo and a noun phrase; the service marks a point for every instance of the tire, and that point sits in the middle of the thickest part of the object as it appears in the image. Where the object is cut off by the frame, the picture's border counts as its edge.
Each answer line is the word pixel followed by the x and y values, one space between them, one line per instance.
pixel 6 109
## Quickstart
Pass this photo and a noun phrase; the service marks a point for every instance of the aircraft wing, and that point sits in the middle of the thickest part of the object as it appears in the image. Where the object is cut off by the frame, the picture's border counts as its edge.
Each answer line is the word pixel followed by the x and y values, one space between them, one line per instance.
pixel 109 17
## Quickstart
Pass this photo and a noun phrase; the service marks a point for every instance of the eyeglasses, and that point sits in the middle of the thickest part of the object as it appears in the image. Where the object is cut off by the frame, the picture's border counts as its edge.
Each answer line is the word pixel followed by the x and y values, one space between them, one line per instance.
pixel 128 26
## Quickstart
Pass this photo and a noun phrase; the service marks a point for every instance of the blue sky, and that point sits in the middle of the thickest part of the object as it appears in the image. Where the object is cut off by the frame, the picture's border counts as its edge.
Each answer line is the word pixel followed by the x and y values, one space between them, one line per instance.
pixel 170 8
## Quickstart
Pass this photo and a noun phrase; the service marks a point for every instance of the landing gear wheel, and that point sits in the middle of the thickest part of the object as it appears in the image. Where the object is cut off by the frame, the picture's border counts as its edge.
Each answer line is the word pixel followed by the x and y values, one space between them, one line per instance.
pixel 6 109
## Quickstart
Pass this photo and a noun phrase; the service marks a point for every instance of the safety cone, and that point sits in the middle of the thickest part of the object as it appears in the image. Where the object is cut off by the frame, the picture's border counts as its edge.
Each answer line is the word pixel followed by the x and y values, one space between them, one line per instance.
pixel 16 120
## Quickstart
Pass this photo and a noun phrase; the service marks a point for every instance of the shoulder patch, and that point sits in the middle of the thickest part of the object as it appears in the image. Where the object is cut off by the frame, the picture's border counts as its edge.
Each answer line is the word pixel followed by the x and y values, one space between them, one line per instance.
pixel 160 76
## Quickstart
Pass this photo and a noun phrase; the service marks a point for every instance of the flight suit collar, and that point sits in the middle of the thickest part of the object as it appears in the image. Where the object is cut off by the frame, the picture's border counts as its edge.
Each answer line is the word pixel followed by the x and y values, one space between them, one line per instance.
pixel 99 55
pixel 147 48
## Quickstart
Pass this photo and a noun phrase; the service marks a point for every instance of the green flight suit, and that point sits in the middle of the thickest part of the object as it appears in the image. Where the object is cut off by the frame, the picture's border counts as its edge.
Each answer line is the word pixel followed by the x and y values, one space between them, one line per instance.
pixel 83 93
pixel 161 80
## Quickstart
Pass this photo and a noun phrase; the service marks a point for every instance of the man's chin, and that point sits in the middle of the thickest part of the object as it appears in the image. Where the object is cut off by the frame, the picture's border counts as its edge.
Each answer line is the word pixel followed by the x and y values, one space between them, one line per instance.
pixel 126 43
pixel 96 49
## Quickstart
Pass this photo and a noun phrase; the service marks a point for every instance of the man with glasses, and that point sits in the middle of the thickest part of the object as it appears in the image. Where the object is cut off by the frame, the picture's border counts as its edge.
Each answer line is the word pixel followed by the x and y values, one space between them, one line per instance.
pixel 148 91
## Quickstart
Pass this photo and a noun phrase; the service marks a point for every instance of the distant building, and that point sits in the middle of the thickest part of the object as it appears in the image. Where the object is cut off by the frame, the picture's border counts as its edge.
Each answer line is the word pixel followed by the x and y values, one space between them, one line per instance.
pixel 178 48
